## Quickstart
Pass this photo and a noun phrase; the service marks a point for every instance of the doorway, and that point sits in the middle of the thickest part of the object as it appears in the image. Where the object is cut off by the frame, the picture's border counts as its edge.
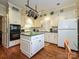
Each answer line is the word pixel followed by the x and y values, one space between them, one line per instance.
pixel 0 30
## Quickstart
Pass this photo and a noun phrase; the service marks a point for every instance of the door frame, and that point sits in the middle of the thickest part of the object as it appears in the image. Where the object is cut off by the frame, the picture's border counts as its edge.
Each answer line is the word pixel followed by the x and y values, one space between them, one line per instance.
pixel 5 34
pixel 1 29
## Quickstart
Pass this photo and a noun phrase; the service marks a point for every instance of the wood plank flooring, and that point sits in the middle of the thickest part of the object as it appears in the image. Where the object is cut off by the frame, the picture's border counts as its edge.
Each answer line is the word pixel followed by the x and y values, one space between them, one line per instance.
pixel 48 52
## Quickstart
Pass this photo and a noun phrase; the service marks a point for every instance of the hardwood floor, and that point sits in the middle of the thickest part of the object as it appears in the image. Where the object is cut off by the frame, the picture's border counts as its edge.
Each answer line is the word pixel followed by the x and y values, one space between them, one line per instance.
pixel 48 52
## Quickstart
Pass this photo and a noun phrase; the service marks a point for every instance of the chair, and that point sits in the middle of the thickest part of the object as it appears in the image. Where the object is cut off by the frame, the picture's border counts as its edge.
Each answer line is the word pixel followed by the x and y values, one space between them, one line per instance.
pixel 68 50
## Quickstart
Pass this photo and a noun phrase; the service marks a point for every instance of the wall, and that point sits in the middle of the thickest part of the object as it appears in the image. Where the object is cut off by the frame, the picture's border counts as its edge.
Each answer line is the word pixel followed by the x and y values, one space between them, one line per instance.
pixel 23 17
pixel 2 10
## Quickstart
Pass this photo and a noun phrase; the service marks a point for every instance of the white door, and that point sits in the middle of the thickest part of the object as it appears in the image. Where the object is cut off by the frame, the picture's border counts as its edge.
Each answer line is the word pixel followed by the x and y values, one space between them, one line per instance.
pixel 70 35
pixel 5 32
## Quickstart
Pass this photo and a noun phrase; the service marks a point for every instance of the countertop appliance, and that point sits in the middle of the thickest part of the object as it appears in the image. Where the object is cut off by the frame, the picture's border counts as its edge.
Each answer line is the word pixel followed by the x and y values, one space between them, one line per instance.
pixel 68 30
pixel 15 32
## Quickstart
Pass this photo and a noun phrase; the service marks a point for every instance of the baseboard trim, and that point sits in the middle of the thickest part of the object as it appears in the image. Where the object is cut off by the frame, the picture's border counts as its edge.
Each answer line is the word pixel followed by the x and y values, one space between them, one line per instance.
pixel 14 45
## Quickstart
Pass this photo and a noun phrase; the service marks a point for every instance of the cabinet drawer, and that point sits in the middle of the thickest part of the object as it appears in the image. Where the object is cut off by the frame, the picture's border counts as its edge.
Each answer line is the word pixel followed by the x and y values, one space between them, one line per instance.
pixel 34 37
pixel 24 37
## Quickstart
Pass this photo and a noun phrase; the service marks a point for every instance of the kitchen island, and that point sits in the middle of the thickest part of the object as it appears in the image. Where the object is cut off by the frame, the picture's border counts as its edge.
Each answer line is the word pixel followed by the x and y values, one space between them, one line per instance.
pixel 31 44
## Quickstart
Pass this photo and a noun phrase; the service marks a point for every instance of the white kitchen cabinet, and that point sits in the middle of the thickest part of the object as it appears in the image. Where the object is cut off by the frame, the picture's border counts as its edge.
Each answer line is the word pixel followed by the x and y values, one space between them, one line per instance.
pixel 14 15
pixel 55 38
pixel 30 45
pixel 51 38
pixel 46 37
pixel 13 43
pixel 36 23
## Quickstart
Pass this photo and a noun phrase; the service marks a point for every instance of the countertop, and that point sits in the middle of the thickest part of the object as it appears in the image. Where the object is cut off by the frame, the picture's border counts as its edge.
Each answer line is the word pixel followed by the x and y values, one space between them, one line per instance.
pixel 49 31
pixel 28 33
pixel 32 34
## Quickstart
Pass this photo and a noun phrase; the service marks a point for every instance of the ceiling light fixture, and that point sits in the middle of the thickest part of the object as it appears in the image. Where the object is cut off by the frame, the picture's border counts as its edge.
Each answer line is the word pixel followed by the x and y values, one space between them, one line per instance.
pixel 32 12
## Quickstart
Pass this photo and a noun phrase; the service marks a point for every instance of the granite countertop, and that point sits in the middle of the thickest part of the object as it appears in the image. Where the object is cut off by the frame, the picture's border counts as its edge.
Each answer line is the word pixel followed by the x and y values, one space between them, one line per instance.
pixel 49 31
pixel 29 33
pixel 37 33
pixel 32 34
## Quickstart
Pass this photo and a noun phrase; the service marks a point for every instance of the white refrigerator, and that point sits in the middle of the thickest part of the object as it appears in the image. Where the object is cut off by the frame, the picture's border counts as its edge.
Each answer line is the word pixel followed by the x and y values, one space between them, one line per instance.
pixel 68 30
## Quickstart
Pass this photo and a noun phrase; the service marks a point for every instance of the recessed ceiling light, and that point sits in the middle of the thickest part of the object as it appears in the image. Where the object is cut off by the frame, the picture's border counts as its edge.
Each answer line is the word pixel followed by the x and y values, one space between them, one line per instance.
pixel 58 3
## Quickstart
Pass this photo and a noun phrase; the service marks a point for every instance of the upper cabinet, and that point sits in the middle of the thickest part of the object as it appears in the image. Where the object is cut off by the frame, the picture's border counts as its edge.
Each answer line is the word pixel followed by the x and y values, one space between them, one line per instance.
pixel 14 15
pixel 37 23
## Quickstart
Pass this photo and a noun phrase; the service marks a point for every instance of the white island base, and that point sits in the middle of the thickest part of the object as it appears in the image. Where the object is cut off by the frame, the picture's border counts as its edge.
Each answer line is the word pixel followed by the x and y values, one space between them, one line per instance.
pixel 30 45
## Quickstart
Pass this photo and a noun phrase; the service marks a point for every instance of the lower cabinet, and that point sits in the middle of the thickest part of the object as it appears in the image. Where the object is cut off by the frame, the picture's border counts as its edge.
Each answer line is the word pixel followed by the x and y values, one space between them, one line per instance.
pixel 36 44
pixel 32 45
pixel 51 37
pixel 56 38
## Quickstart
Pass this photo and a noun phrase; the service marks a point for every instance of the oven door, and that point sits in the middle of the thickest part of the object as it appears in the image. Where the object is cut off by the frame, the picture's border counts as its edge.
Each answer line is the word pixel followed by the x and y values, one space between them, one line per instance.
pixel 14 32
pixel 14 36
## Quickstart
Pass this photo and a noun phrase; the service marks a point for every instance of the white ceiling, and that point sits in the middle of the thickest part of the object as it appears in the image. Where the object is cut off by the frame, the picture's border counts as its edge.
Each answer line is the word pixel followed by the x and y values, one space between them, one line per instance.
pixel 19 3
pixel 41 4
pixel 50 4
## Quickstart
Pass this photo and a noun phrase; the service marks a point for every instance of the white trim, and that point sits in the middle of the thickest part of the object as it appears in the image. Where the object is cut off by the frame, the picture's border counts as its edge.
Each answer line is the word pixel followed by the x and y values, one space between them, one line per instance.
pixel 2 10
pixel 2 6
pixel 13 5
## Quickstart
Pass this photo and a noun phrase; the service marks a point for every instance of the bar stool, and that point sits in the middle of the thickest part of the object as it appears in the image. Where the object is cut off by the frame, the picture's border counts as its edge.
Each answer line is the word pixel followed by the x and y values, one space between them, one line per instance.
pixel 68 50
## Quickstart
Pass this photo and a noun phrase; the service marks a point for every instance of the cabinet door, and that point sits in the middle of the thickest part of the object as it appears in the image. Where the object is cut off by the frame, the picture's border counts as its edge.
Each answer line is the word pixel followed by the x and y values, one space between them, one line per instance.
pixel 36 23
pixel 37 43
pixel 34 44
pixel 46 37
pixel 51 38
pixel 55 38
pixel 14 16
pixel 41 41
pixel 25 46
